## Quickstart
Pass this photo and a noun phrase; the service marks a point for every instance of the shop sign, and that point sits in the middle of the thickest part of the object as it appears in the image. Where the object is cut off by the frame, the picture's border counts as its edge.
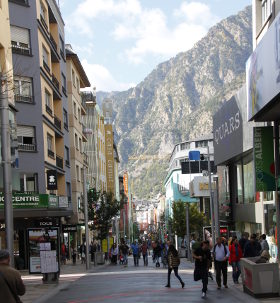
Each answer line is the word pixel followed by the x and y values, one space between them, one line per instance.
pixel 51 179
pixel 53 201
pixel 69 228
pixel 21 200
pixel 264 159
pixel 63 202
pixel 263 71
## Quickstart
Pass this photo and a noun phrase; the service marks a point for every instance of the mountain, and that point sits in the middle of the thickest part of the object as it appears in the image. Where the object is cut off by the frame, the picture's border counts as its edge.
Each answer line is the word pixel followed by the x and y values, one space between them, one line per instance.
pixel 177 99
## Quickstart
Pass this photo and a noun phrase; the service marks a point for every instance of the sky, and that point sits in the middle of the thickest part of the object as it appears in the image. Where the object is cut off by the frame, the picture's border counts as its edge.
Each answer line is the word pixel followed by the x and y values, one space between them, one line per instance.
pixel 119 42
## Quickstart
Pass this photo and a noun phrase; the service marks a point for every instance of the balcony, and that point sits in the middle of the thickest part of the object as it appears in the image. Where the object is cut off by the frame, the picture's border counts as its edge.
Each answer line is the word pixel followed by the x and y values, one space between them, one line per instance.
pixel 42 19
pixel 57 122
pixel 62 54
pixel 67 162
pixel 64 91
pixel 59 162
pixel 27 147
pixel 21 98
pixel 55 82
pixel 48 110
pixel 54 44
pixel 50 153
pixel 21 50
pixel 46 67
pixel 20 2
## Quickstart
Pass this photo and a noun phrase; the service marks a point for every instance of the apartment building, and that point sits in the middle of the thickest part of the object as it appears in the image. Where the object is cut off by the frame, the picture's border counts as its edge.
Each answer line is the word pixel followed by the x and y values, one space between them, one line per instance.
pixel 76 80
pixel 39 67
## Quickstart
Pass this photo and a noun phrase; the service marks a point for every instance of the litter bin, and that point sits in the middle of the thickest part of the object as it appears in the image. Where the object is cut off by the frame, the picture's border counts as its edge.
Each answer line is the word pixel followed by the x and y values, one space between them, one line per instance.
pixel 99 258
pixel 260 280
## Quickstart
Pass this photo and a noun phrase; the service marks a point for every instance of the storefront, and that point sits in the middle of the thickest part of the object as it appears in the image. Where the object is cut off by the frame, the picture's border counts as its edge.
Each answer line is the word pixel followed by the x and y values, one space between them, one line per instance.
pixel 39 211
pixel 240 206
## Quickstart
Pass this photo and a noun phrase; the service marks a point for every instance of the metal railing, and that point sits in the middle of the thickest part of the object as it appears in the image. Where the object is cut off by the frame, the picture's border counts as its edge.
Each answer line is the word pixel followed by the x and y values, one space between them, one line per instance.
pixel 67 162
pixel 50 153
pixel 21 98
pixel 64 90
pixel 55 81
pixel 22 2
pixel 48 110
pixel 54 44
pixel 59 162
pixel 42 19
pixel 16 49
pixel 46 66
pixel 26 147
pixel 57 122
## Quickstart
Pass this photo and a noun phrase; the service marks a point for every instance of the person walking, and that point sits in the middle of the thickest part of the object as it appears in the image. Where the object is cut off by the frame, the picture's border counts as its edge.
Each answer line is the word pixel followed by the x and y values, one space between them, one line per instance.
pixel 173 264
pixel 202 257
pixel 83 253
pixel 144 249
pixel 157 253
pixel 243 241
pixel 11 284
pixel 73 253
pixel 124 251
pixel 221 255
pixel 252 247
pixel 234 258
pixel 135 252
pixel 264 244
pixel 63 253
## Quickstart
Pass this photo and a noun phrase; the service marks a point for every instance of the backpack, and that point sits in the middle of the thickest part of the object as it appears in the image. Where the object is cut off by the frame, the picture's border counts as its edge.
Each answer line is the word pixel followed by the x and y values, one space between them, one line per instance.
pixel 214 250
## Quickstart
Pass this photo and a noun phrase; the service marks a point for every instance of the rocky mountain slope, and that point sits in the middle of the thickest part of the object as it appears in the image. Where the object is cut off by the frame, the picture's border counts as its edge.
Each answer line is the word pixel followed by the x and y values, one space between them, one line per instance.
pixel 176 100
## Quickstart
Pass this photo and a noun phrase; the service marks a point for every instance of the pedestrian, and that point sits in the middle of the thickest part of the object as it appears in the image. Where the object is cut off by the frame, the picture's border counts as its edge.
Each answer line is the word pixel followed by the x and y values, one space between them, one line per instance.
pixel 135 252
pixel 11 284
pixel 221 255
pixel 264 244
pixel 83 253
pixel 234 259
pixel 114 254
pixel 93 248
pixel 73 253
pixel 124 251
pixel 243 241
pixel 173 264
pixel 144 249
pixel 202 257
pixel 63 253
pixel 157 253
pixel 252 247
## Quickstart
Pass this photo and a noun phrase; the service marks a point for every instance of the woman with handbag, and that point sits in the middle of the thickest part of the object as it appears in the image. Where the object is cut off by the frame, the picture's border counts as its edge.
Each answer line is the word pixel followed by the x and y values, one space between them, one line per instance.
pixel 173 264
pixel 202 257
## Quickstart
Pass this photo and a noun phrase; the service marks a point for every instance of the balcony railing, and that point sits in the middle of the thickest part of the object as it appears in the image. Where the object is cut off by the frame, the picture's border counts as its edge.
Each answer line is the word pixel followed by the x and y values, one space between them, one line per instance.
pixel 67 162
pixel 50 153
pixel 62 54
pixel 46 67
pixel 54 44
pixel 55 81
pixel 57 122
pixel 21 50
pixel 42 19
pixel 21 98
pixel 22 2
pixel 64 90
pixel 26 147
pixel 48 110
pixel 59 162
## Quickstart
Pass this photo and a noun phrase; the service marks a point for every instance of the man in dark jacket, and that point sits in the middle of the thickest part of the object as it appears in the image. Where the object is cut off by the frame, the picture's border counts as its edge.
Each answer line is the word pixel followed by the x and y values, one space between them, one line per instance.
pixel 252 248
pixel 243 241
pixel 11 284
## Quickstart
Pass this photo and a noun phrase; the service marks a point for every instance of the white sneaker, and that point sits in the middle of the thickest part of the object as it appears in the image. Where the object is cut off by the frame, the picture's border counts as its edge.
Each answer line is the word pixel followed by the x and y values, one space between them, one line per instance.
pixel 203 295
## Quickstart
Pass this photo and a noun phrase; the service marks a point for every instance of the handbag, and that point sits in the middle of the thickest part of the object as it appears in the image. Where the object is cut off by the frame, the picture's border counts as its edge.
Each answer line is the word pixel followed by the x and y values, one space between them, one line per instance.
pixel 16 297
pixel 197 274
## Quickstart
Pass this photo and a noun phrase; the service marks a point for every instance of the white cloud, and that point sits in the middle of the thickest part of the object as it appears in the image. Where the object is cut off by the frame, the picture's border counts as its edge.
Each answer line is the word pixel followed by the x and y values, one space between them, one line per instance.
pixel 102 79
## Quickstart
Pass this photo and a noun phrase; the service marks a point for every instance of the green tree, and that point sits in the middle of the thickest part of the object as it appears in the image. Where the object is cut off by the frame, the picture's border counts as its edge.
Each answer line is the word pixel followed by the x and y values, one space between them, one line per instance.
pixel 102 208
pixel 178 221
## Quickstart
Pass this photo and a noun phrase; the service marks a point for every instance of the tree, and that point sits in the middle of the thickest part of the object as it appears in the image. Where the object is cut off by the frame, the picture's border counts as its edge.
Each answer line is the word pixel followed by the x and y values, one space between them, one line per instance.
pixel 178 221
pixel 102 208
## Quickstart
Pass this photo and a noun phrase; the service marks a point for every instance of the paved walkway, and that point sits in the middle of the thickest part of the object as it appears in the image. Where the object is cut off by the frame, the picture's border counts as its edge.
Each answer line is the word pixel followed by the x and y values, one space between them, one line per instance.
pixel 115 283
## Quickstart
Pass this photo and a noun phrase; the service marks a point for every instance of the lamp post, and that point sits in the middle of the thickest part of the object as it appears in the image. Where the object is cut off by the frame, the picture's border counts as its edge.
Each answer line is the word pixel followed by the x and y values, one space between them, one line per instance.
pixel 6 162
pixel 86 219
pixel 216 208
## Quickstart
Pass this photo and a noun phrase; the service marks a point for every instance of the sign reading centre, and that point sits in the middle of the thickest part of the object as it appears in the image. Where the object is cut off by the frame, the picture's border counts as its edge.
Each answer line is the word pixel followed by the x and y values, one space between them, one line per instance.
pixel 264 158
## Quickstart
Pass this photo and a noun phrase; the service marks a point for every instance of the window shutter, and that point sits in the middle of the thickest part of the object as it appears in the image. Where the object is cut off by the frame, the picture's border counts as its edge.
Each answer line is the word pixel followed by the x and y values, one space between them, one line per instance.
pixel 25 131
pixel 19 34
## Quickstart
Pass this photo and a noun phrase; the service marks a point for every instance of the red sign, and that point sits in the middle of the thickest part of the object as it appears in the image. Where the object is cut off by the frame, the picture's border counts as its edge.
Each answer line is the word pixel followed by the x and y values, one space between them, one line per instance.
pixel 248 278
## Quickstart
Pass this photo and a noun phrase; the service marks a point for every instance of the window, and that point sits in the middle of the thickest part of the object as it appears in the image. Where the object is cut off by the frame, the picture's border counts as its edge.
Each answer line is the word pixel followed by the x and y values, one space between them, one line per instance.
pixel 75 109
pixel 266 10
pixel 77 173
pixel 46 59
pixel 65 119
pixel 82 174
pixel 68 191
pixel 76 142
pixel 50 145
pixel 43 16
pixel 78 84
pixel 239 183
pixel 185 145
pixel 26 138
pixel 203 143
pixel 79 115
pixel 20 40
pixel 23 89
pixel 29 182
pixel 73 78
pixel 62 47
pixel 248 175
pixel 48 102
pixel 80 144
pixel 67 157
pixel 63 79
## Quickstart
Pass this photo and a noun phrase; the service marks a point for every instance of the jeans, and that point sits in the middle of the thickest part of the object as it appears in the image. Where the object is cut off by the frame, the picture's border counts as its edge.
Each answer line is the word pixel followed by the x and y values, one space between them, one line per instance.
pixel 221 267
pixel 125 259
pixel 204 278
pixel 176 275
pixel 145 258
pixel 136 260
pixel 236 270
